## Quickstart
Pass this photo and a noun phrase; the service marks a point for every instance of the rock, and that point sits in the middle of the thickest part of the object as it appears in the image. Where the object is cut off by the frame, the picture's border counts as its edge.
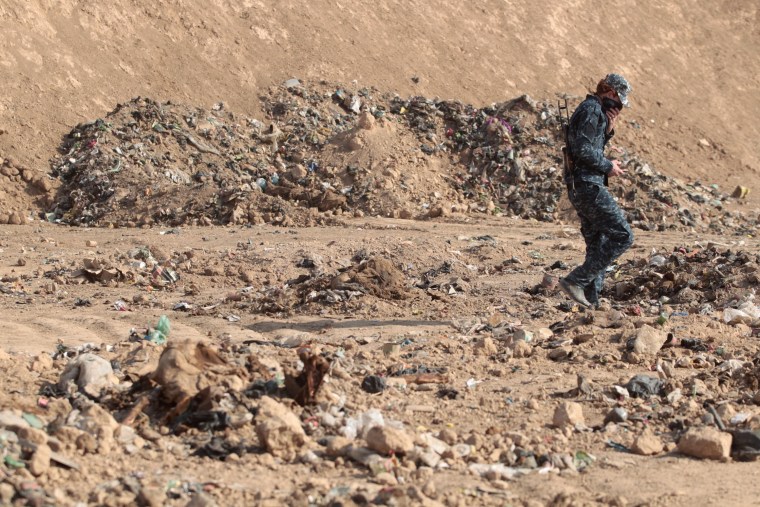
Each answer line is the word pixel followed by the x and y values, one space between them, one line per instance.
pixel 16 219
pixel 648 341
pixel 7 492
pixel 559 354
pixel 386 479
pixel 647 443
pixel 125 435
pixel 86 443
pixel 568 413
pixel 337 446
pixel 437 211
pixel 298 172
pixel 94 420
pixel 522 335
pixel 522 349
pixel 280 430
pixel 366 121
pixel 201 500
pixel 519 439
pixel 460 451
pixel 431 442
pixel 385 439
pixel 616 415
pixel 4 356
pixel 91 374
pixel 91 243
pixel 448 435
pixel 33 435
pixel 726 411
pixel 40 462
pixel 427 458
pixel 373 384
pixel 151 497
pixel 486 347
pixel 475 440
pixel 697 387
pixel 42 363
pixel 705 443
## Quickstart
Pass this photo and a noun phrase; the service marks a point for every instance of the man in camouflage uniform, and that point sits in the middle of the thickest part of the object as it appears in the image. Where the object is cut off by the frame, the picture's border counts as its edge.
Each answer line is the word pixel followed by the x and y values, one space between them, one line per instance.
pixel 603 226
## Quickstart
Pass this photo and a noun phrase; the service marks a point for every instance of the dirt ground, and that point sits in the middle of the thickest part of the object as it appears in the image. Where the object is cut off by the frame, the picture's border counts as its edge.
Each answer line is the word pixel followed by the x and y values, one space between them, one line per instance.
pixel 269 253
pixel 514 398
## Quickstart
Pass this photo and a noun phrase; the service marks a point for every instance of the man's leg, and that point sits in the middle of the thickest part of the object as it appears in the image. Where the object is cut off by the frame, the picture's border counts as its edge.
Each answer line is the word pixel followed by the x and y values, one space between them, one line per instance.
pixel 594 239
pixel 594 289
pixel 614 236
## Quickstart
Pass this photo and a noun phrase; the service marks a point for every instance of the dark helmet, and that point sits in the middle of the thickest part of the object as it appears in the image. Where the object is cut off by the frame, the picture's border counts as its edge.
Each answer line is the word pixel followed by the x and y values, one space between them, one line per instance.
pixel 620 85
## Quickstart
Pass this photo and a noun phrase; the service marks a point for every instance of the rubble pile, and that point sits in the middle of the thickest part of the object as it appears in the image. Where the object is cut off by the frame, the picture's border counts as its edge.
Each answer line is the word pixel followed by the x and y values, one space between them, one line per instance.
pixel 697 279
pixel 323 152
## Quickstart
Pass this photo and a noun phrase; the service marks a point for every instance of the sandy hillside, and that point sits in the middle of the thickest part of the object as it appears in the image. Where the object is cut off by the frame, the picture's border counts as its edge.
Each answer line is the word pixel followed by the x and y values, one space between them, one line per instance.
pixel 692 64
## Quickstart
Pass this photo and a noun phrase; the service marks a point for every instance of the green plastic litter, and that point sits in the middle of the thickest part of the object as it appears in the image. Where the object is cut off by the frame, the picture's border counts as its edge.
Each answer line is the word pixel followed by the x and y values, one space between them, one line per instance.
pixel 13 462
pixel 33 421
pixel 160 333
pixel 583 458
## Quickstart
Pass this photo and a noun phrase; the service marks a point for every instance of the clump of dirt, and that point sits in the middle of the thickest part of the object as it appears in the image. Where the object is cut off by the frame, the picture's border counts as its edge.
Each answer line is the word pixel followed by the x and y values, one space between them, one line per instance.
pixel 22 191
pixel 325 152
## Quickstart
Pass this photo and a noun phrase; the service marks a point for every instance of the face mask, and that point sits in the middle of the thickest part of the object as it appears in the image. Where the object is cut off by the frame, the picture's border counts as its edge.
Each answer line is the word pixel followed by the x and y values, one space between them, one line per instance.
pixel 608 103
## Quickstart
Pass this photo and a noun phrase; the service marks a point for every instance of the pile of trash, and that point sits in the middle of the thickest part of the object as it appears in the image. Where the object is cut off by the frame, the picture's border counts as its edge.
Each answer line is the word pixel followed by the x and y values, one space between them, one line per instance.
pixel 324 152
pixel 137 266
pixel 696 279
pixel 364 275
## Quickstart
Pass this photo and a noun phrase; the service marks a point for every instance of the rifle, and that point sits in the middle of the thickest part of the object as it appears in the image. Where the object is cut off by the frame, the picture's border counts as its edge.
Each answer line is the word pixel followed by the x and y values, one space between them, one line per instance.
pixel 567 156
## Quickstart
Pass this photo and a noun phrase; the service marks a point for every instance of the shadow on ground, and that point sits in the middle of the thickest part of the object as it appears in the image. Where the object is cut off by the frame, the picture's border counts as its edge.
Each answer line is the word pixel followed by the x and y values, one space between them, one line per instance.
pixel 323 324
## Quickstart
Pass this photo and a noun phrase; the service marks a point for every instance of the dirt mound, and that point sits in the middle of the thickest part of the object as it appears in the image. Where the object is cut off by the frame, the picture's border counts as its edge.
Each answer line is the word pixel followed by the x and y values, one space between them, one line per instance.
pixel 23 191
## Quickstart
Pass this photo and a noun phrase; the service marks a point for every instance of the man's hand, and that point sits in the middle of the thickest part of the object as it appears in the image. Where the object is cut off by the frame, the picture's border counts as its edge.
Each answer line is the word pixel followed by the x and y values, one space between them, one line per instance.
pixel 616 169
pixel 611 117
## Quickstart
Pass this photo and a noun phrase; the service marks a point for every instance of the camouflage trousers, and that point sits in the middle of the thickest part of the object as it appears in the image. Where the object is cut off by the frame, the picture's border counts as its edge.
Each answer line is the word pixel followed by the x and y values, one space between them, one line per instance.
pixel 606 232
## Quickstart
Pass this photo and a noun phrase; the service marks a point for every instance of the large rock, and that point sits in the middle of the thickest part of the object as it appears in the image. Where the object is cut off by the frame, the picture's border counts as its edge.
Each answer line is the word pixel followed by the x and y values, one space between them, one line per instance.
pixel 90 373
pixel 279 430
pixel 648 341
pixel 337 446
pixel 40 462
pixel 42 363
pixel 96 421
pixel 386 439
pixel 201 500
pixel 522 349
pixel 705 443
pixel 568 413
pixel 647 443
pixel 33 435
pixel 184 369
pixel 486 347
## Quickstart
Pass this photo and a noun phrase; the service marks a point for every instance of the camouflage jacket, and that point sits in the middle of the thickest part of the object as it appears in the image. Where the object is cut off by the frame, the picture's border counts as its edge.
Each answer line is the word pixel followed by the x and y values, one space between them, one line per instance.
pixel 587 137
